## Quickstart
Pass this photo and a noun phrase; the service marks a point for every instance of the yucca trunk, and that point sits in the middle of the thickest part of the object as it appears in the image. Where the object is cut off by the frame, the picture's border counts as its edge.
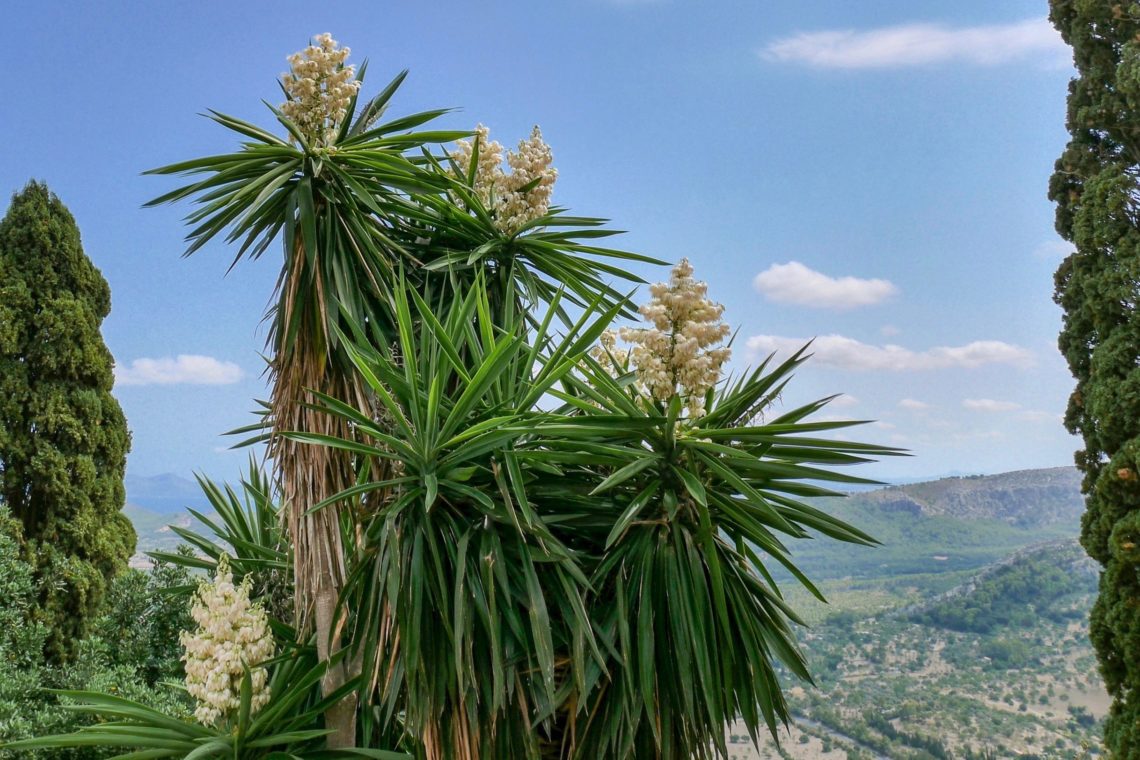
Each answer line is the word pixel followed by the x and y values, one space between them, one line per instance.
pixel 308 475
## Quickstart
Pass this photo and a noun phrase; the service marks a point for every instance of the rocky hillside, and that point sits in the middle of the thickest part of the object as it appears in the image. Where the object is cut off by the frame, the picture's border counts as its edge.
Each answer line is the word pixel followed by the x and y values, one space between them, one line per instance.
pixel 1025 499
pixel 959 523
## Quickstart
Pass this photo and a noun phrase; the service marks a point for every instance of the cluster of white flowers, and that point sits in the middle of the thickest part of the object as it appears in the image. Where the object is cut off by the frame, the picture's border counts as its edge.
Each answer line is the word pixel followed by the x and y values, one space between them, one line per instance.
pixel 676 356
pixel 519 197
pixel 489 171
pixel 606 351
pixel 319 87
pixel 233 634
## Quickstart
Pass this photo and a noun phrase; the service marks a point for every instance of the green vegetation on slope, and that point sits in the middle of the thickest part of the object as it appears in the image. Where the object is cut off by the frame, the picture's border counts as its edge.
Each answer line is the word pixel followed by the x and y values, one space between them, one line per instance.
pixel 894 684
pixel 920 658
pixel 1045 583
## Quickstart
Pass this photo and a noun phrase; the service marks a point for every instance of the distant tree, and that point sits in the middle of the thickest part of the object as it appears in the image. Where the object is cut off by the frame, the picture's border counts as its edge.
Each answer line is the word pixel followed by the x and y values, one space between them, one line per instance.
pixel 63 437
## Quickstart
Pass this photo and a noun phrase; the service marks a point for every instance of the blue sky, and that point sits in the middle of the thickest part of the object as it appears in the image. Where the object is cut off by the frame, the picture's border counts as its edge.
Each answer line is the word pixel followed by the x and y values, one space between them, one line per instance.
pixel 870 174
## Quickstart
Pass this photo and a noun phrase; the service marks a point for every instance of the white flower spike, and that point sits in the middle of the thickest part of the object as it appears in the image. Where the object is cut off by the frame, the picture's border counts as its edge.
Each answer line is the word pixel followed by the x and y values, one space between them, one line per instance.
pixel 233 634
pixel 676 356
pixel 319 88
pixel 516 199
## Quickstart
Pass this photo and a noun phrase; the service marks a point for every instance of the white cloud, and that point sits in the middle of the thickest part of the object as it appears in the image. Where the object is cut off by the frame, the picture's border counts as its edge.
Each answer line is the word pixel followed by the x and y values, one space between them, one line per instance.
pixel 188 369
pixel 919 44
pixel 797 284
pixel 843 400
pixel 1036 415
pixel 914 404
pixel 989 405
pixel 847 353
pixel 889 331
pixel 831 418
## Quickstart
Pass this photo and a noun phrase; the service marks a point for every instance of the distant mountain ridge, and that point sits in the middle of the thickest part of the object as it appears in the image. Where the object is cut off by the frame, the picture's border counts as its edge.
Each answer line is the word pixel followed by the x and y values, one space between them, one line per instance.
pixel 1024 498
pixel 166 494
pixel 956 523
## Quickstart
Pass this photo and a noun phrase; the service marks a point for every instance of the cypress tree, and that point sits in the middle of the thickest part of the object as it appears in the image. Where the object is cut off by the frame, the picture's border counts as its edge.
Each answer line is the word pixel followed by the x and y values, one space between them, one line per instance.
pixel 63 436
pixel 1098 287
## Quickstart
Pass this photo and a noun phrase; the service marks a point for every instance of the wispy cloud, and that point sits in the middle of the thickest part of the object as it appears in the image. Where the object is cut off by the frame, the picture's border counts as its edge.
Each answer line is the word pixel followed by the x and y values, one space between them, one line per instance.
pixel 989 405
pixel 798 284
pixel 914 404
pixel 1036 415
pixel 184 369
pixel 918 45
pixel 841 352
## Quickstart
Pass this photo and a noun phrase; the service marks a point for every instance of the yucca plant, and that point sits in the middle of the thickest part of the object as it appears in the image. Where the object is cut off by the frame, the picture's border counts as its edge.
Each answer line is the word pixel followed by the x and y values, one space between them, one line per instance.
pixel 528 550
pixel 322 191
pixel 682 515
pixel 352 201
pixel 244 541
pixel 580 581
pixel 677 485
pixel 467 604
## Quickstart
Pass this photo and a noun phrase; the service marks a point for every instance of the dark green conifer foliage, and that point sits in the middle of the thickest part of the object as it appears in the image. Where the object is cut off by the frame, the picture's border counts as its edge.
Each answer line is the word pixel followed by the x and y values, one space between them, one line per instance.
pixel 1098 286
pixel 63 437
